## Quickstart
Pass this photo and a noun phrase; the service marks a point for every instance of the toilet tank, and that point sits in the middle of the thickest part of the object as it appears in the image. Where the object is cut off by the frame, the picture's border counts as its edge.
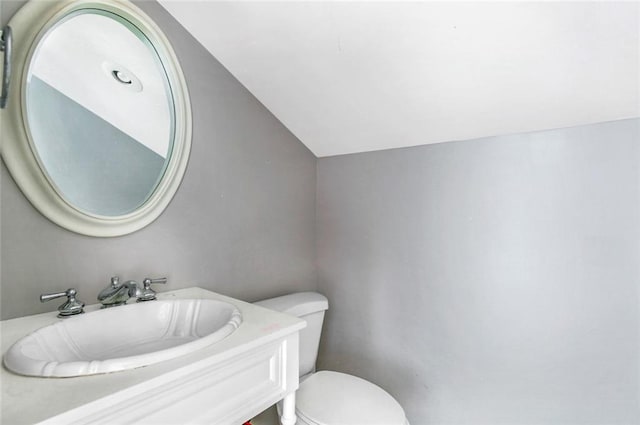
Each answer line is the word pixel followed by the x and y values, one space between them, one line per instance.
pixel 309 306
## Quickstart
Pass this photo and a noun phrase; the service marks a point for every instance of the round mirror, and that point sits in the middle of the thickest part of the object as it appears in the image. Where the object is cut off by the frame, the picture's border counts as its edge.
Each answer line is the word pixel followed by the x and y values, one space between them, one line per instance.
pixel 98 135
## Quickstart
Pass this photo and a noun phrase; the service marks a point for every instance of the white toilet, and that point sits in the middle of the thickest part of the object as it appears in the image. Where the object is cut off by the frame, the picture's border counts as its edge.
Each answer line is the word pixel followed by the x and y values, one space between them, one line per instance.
pixel 325 397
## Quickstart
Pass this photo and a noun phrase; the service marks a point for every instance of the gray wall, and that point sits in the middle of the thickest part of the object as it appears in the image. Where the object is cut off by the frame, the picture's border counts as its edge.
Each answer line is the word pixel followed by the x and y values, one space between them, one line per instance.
pixel 242 222
pixel 492 281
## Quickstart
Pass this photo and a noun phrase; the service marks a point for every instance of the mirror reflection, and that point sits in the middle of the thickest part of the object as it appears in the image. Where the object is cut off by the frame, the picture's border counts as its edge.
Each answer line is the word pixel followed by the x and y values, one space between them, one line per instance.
pixel 100 112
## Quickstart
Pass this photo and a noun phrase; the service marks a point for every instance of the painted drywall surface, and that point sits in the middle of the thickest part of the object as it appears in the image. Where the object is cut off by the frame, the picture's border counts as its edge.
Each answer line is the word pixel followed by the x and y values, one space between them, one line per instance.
pixel 242 222
pixel 489 282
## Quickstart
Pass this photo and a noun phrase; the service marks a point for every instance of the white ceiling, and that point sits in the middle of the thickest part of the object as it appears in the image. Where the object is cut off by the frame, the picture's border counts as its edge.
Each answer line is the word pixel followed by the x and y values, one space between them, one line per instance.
pixel 349 77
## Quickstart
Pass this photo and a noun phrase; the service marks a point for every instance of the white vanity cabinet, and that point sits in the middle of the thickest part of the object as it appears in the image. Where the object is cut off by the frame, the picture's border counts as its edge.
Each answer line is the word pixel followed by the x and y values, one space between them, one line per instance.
pixel 228 382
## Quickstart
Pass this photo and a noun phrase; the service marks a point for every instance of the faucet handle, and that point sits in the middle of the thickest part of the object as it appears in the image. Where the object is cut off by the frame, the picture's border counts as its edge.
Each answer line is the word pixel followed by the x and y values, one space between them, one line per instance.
pixel 115 280
pixel 149 294
pixel 148 282
pixel 70 307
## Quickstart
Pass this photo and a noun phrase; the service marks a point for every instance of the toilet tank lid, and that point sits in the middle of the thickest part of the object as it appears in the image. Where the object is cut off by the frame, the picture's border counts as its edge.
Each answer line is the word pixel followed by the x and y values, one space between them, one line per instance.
pixel 298 304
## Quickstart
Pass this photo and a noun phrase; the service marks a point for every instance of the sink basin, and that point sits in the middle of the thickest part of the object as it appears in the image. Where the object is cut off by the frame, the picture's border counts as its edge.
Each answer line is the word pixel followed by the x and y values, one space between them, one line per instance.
pixel 122 338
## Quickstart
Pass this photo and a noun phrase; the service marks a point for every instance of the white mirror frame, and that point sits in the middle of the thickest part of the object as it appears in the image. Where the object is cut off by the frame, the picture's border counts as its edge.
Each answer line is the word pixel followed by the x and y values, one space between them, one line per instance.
pixel 29 25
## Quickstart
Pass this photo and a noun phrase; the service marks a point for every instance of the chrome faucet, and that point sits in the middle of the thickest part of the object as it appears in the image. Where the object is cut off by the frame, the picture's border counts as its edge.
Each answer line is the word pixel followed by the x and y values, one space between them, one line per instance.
pixel 70 307
pixel 148 294
pixel 117 294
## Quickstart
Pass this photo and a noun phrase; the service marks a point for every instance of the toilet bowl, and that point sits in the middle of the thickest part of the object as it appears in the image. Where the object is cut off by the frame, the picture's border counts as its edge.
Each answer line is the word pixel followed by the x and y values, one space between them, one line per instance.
pixel 326 397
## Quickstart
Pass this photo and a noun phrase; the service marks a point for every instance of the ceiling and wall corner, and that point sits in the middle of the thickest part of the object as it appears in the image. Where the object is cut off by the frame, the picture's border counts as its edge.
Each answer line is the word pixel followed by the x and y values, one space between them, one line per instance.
pixel 349 77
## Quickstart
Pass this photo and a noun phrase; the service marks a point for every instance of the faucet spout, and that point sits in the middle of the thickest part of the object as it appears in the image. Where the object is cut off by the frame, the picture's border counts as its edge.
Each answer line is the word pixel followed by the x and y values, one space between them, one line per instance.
pixel 134 288
pixel 117 294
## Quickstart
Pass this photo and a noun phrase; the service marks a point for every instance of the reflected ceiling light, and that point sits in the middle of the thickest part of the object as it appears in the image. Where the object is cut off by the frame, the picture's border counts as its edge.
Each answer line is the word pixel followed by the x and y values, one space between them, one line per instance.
pixel 123 76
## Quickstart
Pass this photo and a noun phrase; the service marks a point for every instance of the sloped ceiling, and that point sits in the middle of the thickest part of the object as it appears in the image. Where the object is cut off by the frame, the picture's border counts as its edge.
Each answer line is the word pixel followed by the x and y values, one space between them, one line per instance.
pixel 350 77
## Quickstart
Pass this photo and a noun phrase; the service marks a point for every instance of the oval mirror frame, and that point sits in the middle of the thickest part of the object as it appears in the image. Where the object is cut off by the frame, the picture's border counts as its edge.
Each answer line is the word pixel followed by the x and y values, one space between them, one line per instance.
pixel 29 25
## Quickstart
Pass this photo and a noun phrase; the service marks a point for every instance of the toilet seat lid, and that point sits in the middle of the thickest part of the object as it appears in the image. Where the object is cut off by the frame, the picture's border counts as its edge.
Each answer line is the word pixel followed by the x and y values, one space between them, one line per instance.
pixel 332 398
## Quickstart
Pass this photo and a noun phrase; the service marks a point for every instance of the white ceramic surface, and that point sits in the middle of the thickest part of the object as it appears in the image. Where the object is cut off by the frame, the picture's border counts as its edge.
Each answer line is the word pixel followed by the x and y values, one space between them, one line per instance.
pixel 244 373
pixel 122 338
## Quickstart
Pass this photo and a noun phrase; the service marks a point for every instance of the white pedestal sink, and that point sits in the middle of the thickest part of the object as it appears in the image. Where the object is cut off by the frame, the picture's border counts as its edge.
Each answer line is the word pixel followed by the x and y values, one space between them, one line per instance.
pixel 221 382
pixel 121 338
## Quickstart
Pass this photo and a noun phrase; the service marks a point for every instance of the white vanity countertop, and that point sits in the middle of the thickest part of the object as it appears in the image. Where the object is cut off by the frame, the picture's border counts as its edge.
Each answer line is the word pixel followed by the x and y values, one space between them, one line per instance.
pixel 29 400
